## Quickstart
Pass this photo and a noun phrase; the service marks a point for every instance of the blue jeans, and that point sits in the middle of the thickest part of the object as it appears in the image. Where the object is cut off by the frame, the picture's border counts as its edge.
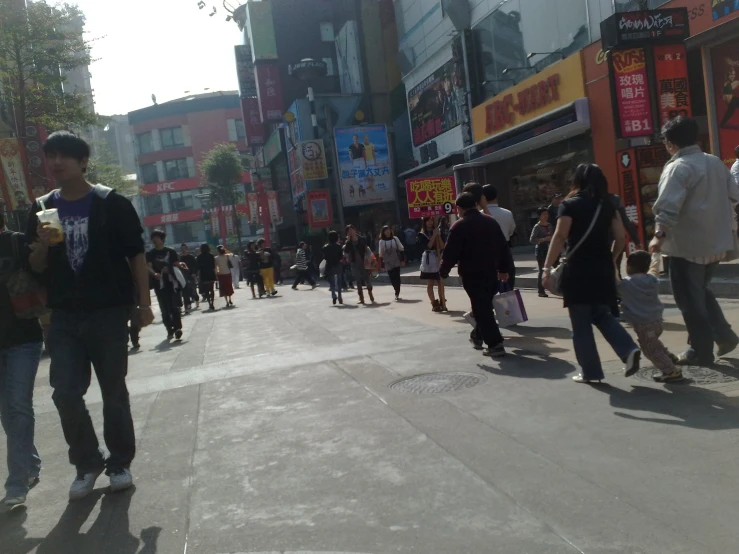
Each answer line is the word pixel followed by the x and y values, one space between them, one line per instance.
pixel 334 276
pixel 18 366
pixel 583 317
pixel 703 317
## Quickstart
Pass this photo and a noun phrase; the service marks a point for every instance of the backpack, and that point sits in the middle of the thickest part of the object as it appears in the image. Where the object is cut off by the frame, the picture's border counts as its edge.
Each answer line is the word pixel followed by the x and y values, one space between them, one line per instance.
pixel 27 295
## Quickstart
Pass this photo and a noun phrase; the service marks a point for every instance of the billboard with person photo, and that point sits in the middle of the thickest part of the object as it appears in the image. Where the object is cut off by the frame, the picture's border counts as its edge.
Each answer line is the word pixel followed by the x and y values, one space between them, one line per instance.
pixel 364 165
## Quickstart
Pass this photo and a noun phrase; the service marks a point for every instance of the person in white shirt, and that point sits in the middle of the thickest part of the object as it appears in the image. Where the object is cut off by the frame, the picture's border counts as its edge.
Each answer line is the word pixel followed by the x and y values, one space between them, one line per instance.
pixel 735 166
pixel 501 215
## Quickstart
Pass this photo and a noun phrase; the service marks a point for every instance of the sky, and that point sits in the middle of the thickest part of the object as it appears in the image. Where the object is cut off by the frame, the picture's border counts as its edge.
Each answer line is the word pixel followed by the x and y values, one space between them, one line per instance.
pixel 162 47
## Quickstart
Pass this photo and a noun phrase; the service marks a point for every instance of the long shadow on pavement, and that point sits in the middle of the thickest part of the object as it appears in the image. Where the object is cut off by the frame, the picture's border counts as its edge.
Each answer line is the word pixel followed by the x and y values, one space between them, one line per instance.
pixel 14 534
pixel 530 367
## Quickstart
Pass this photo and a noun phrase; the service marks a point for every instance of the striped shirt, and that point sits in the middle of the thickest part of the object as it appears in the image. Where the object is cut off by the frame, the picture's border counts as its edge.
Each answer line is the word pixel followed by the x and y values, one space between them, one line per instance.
pixel 301 262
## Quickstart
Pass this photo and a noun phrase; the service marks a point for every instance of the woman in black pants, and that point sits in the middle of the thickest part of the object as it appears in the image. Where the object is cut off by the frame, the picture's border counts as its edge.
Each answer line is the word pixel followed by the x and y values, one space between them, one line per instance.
pixel 392 257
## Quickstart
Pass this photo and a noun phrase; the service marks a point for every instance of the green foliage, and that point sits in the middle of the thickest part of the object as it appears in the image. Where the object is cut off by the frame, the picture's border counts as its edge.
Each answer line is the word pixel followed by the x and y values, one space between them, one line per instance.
pixel 104 169
pixel 37 45
pixel 222 169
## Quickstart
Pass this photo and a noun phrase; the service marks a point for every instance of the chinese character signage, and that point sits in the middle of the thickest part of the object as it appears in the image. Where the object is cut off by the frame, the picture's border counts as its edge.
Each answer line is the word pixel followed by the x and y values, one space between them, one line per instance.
pixel 632 94
pixel 364 165
pixel 273 146
pixel 671 71
pixel 261 30
pixel 312 159
pixel 436 104
pixel 319 208
pixel 252 199
pixel 273 204
pixel 176 217
pixel 625 29
pixel 15 177
pixel 245 71
pixel 433 196
pixel 252 121
pixel 725 60
pixel 269 91
pixel 296 174
pixel 629 190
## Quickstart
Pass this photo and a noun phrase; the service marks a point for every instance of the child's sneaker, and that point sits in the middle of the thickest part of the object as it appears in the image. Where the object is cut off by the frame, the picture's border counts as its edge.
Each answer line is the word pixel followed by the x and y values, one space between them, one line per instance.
pixel 675 375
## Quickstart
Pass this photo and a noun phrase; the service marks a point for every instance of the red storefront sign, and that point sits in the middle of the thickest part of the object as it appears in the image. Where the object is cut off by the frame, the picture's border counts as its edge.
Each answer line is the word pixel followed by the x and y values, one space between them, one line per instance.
pixel 252 200
pixel 628 181
pixel 177 217
pixel 671 70
pixel 169 186
pixel 269 90
pixel 632 95
pixel 430 196
pixel 319 208
pixel 253 121
pixel 726 94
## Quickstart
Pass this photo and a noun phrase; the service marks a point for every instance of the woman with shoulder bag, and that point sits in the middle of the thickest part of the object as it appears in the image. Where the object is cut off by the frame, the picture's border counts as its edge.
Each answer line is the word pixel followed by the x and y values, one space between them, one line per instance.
pixel 430 244
pixel 587 278
pixel 392 257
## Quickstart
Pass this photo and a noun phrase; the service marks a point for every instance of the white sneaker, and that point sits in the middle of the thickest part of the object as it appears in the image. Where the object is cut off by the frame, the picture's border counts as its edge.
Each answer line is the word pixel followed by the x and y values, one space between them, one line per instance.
pixel 10 502
pixel 121 480
pixel 83 484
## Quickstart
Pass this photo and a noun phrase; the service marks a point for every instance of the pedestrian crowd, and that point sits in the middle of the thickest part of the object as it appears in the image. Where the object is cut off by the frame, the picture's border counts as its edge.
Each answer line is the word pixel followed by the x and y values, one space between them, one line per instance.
pixel 82 258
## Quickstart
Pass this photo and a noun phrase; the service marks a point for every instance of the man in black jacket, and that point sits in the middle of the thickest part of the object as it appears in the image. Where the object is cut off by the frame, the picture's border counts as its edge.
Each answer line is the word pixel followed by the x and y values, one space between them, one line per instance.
pixel 477 244
pixel 90 278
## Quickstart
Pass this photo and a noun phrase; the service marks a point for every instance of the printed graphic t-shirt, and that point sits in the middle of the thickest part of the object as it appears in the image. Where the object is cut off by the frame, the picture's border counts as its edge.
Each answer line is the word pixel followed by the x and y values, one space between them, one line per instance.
pixel 75 217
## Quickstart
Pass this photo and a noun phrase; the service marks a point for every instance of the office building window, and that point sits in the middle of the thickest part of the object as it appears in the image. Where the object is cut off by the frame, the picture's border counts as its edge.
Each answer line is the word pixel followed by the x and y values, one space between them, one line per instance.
pixel 172 138
pixel 149 173
pixel 176 169
pixel 145 143
pixel 185 200
pixel 240 131
pixel 191 231
pixel 154 205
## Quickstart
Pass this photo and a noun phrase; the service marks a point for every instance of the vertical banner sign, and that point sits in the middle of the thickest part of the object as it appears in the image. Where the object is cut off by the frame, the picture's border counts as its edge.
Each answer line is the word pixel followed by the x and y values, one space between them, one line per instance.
pixel 671 70
pixel 274 207
pixel 319 208
pixel 253 202
pixel 252 121
pixel 364 165
pixel 725 61
pixel 629 191
pixel 228 214
pixel 245 71
pixel 430 196
pixel 12 166
pixel 296 173
pixel 313 159
pixel 261 30
pixel 215 222
pixel 632 96
pixel 269 91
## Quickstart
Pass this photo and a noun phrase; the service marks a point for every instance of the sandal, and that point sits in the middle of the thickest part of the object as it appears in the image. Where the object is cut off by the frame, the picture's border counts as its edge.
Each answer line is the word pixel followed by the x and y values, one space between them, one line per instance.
pixel 580 379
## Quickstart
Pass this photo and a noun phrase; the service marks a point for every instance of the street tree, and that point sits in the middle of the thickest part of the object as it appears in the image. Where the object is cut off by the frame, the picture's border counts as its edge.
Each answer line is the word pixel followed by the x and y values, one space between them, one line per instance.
pixel 39 44
pixel 103 168
pixel 222 168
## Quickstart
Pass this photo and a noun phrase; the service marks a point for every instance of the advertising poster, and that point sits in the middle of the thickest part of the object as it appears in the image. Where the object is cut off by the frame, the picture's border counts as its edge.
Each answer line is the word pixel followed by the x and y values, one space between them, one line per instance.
pixel 12 166
pixel 253 122
pixel 430 197
pixel 273 204
pixel 253 202
pixel 628 178
pixel 296 174
pixel 632 94
pixel 215 222
pixel 313 159
pixel 671 71
pixel 725 59
pixel 261 30
pixel 269 92
pixel 436 103
pixel 364 165
pixel 319 208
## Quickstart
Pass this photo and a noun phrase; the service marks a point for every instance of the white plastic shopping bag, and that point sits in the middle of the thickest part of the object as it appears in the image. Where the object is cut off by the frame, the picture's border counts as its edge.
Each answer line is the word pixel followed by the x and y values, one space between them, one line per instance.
pixel 509 308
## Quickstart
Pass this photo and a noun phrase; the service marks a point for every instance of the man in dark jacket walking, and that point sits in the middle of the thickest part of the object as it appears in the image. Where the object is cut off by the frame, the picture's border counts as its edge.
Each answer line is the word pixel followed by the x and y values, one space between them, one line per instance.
pixel 477 244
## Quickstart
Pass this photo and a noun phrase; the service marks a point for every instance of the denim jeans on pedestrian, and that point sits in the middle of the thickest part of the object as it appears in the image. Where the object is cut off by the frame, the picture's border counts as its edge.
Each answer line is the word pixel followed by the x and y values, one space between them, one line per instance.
pixel 78 342
pixel 583 317
pixel 703 317
pixel 334 276
pixel 18 366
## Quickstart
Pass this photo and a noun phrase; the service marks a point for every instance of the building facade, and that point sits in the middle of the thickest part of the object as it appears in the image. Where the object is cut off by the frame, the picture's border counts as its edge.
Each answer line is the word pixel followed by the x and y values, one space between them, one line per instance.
pixel 171 140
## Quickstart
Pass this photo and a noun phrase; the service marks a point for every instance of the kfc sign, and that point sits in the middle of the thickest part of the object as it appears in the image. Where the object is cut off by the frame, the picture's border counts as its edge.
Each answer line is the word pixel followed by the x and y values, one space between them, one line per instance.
pixel 170 186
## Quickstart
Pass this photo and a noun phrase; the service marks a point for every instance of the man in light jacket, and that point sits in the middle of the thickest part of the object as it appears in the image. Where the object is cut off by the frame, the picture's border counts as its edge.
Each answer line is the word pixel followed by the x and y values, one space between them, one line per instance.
pixel 695 226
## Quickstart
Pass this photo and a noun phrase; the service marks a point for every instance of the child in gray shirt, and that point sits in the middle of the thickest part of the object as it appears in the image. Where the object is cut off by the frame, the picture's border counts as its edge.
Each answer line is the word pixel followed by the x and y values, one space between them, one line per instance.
pixel 643 309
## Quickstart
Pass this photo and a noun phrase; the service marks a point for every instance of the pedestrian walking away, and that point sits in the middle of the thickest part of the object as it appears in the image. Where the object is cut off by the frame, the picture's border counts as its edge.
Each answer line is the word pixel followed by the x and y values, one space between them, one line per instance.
pixel 356 250
pixel 90 271
pixel 235 270
pixel 696 227
pixel 207 275
pixel 392 257
pixel 430 244
pixel 162 263
pixel 643 309
pixel 410 242
pixel 507 224
pixel 588 222
pixel 21 343
pixel 477 244
pixel 224 266
pixel 266 267
pixel 251 265
pixel 189 266
pixel 301 268
pixel 333 256
pixel 541 236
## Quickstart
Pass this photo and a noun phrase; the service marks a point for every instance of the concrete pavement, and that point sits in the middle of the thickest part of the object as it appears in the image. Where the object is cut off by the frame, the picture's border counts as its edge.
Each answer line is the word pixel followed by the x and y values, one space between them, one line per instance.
pixel 288 425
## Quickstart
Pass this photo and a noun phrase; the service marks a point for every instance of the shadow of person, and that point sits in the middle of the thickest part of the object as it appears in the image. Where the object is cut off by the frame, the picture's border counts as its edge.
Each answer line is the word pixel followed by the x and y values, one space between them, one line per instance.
pixel 672 326
pixel 531 366
pixel 542 332
pixel 110 532
pixel 13 532
pixel 404 301
pixel 698 409
pixel 533 346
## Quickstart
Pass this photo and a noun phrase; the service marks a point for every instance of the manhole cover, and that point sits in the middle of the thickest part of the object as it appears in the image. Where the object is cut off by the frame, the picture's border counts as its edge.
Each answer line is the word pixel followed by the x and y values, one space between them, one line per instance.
pixel 433 383
pixel 722 372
